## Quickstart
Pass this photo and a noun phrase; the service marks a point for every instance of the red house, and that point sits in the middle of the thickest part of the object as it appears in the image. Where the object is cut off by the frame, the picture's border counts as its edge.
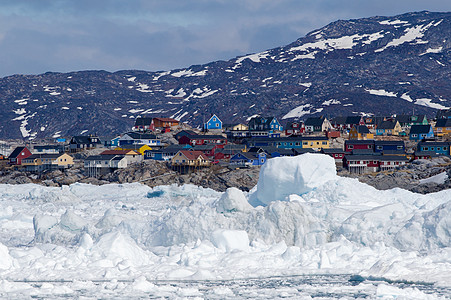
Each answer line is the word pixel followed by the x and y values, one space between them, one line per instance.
pixel 351 145
pixel 202 140
pixel 18 155
pixel 294 128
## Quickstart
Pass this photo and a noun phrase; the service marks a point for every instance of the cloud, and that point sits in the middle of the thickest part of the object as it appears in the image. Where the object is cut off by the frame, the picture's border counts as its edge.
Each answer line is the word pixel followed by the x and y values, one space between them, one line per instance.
pixel 65 35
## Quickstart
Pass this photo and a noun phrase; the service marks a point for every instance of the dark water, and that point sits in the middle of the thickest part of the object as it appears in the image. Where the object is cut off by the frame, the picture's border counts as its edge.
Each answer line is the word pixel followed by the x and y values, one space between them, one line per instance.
pixel 292 287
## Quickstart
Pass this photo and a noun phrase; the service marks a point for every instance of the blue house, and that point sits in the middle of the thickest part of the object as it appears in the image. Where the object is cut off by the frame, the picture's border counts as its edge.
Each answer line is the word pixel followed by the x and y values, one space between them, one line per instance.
pixel 165 154
pixel 269 124
pixel 389 147
pixel 440 148
pixel 420 132
pixel 213 123
pixel 249 159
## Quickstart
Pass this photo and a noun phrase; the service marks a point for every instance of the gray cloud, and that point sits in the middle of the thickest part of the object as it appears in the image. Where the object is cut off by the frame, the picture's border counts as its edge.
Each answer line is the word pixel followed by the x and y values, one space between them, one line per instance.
pixel 65 35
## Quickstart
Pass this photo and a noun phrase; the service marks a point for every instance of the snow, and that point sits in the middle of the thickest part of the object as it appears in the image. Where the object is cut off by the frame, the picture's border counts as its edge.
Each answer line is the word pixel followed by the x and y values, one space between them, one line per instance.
pixel 298 111
pixel 393 22
pixel 432 50
pixel 428 103
pixel 331 102
pixel 188 73
pixel 119 240
pixel 381 93
pixel 143 88
pixel 439 179
pixel 284 176
pixel 411 34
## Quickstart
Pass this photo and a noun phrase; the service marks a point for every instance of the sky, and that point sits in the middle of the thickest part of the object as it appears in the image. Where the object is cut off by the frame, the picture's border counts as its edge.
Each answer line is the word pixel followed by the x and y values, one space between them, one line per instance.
pixel 37 36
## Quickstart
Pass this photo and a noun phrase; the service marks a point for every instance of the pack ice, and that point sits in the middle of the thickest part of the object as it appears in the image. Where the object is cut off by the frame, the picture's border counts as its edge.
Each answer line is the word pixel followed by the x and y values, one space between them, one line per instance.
pixel 301 218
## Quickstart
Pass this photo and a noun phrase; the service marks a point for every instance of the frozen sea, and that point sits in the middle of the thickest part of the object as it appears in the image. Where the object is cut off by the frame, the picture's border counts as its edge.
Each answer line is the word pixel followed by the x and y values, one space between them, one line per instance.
pixel 302 232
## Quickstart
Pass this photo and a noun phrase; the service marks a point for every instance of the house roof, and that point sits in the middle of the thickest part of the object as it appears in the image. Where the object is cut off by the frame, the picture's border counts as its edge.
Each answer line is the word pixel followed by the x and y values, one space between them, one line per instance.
pixel 204 147
pixel 420 129
pixel 205 137
pixel 56 147
pixel 338 120
pixel 185 132
pixel 389 143
pixel 386 125
pixel 393 158
pixel 362 129
pixel 137 135
pixel 261 120
pixel 356 142
pixel 119 152
pixel 85 139
pixel 443 123
pixel 444 113
pixel 403 119
pixel 434 143
pixel 17 151
pixel 48 156
pixel 100 157
pixel 333 150
pixel 354 120
pixel 193 155
pixel 314 122
pixel 143 121
pixel 167 120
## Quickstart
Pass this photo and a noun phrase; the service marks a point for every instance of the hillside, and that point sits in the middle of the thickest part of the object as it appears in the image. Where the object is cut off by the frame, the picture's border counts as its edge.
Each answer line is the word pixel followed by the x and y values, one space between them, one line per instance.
pixel 377 65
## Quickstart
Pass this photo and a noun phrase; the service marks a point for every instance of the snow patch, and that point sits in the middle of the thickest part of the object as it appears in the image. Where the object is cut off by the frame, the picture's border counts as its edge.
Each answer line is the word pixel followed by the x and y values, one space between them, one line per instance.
pixel 299 111
pixel 381 93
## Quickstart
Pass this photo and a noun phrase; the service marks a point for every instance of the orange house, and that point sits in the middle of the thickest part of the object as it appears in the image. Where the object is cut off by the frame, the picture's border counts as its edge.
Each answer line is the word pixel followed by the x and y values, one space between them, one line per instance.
pixel 165 122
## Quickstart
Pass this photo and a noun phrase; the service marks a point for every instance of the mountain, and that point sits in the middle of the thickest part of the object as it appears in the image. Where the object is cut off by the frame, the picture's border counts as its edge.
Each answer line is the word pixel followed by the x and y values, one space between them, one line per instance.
pixel 377 65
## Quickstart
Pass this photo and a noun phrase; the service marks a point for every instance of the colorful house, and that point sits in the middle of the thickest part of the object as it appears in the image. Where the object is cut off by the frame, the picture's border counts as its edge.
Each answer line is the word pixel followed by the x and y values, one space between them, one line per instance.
pixel 407 121
pixel 443 127
pixel 18 154
pixel 202 140
pixel 163 123
pixel 84 142
pixel 165 154
pixel 264 124
pixel 249 159
pixel 141 149
pixel 294 128
pixel 190 159
pixel 388 128
pixel 439 148
pixel 144 124
pixel 420 132
pixel 137 138
pixel 40 162
pixel 390 147
pixel 317 124
pixel 213 123
pixel 360 132
pixel 337 153
pixel 351 145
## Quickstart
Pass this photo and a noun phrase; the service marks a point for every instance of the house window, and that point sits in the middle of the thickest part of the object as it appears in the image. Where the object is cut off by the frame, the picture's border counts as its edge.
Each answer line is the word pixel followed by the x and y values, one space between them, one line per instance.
pixel 438 148
pixel 399 147
pixel 214 119
pixel 414 135
pixel 217 125
pixel 297 143
pixel 374 161
pixel 324 143
pixel 304 143
pixel 351 147
pixel 445 148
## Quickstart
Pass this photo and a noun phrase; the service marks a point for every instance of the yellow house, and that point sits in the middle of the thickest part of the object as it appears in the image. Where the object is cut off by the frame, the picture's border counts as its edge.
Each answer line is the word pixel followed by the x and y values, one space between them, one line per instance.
pixel 190 158
pixel 443 127
pixel 40 162
pixel 315 142
pixel 360 132
pixel 138 148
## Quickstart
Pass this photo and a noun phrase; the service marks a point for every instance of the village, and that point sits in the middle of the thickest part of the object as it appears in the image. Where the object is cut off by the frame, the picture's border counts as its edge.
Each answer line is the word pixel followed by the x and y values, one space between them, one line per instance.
pixel 358 144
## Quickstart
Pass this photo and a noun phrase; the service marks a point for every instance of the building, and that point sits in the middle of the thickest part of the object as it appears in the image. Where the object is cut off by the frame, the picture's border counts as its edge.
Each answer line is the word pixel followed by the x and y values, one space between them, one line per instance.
pixel 249 159
pixel 213 123
pixel 351 145
pixel 269 124
pixel 365 163
pixel 202 140
pixel 388 128
pixel 137 138
pixel 360 132
pixel 41 162
pixel 439 148
pixel 407 121
pixel 96 165
pixel 390 147
pixel 421 132
pixel 294 128
pixel 337 154
pixel 139 148
pixel 165 154
pixel 317 125
pixel 187 158
pixel 443 127
pixel 184 133
pixel 166 123
pixel 48 149
pixel 131 156
pixel 18 154
pixel 84 142
pixel 143 124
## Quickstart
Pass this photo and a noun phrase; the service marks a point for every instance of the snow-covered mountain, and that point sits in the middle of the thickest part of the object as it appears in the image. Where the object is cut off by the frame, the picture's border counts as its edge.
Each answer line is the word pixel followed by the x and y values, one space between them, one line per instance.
pixel 377 65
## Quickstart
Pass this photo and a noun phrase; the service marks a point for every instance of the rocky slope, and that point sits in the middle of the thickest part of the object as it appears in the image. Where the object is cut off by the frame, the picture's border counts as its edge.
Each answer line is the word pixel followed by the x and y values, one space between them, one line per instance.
pixel 378 65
